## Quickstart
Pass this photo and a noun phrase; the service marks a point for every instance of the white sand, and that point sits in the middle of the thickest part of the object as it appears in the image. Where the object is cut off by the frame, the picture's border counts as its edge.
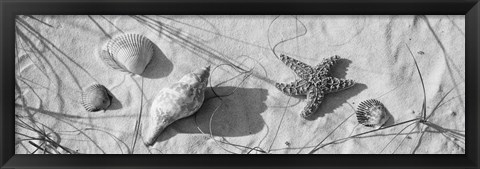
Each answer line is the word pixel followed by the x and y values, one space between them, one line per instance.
pixel 57 57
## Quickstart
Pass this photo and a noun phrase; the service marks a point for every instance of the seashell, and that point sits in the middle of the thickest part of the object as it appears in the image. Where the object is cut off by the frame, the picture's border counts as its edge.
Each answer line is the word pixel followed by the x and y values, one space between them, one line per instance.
pixel 372 113
pixel 177 101
pixel 129 52
pixel 96 97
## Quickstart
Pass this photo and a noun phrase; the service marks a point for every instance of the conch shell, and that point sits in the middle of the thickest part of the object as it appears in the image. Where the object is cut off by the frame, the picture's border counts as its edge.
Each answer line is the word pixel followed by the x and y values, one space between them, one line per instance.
pixel 180 100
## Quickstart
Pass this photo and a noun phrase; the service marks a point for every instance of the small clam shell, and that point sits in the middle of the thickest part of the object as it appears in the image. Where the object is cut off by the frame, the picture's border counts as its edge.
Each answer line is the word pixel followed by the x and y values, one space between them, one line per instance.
pixel 129 52
pixel 96 97
pixel 371 113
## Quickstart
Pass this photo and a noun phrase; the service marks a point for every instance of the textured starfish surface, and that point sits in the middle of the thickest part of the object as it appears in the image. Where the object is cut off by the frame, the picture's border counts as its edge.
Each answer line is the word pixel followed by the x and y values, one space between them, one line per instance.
pixel 315 82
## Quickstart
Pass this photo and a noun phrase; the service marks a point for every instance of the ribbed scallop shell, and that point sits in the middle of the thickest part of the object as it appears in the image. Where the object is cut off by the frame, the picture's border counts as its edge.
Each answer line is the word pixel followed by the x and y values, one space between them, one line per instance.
pixel 129 52
pixel 371 113
pixel 96 97
pixel 175 102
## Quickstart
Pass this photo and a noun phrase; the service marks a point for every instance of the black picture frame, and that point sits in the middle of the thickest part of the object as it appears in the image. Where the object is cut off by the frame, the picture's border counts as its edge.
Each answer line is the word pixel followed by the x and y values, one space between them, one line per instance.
pixel 10 8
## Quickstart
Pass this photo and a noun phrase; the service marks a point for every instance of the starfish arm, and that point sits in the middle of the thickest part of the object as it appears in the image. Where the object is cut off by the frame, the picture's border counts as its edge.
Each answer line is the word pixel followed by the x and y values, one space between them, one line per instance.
pixel 333 84
pixel 324 67
pixel 295 88
pixel 314 98
pixel 300 68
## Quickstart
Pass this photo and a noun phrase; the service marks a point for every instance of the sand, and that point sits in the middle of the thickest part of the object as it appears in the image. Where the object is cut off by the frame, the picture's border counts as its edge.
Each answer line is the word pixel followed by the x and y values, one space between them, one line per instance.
pixel 58 56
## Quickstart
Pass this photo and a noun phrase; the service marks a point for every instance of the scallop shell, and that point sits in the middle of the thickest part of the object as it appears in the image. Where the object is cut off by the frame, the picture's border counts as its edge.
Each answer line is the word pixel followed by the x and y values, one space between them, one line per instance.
pixel 96 97
pixel 177 101
pixel 372 113
pixel 129 52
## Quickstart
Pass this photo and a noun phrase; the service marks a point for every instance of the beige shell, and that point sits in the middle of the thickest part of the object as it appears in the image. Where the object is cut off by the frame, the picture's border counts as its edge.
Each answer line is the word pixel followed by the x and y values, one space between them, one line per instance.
pixel 372 113
pixel 129 52
pixel 180 100
pixel 96 97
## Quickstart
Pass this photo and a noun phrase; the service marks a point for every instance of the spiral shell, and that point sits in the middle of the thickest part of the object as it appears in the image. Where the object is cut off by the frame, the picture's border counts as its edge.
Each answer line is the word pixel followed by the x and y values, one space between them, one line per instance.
pixel 372 113
pixel 96 97
pixel 129 52
pixel 177 101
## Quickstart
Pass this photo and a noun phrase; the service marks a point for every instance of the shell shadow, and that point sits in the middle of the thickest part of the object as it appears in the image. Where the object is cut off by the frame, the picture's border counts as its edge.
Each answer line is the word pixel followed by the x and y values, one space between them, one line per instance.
pixel 115 104
pixel 239 115
pixel 159 66
pixel 391 119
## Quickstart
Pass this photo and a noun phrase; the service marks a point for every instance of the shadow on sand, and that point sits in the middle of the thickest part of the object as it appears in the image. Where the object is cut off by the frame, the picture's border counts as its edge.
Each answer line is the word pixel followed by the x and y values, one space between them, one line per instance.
pixel 238 114
pixel 115 104
pixel 159 66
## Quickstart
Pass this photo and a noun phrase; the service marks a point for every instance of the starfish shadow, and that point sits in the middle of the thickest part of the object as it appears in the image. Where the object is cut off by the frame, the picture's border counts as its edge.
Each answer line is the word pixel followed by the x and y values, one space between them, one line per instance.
pixel 341 68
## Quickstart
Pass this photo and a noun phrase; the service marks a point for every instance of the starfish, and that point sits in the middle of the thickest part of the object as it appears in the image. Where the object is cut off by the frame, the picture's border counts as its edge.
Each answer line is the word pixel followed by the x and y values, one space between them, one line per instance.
pixel 315 82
